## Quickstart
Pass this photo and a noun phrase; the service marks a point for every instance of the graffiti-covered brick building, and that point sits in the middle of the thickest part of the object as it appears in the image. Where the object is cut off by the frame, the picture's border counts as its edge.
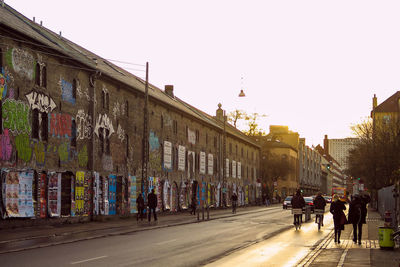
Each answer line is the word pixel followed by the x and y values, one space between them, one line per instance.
pixel 73 129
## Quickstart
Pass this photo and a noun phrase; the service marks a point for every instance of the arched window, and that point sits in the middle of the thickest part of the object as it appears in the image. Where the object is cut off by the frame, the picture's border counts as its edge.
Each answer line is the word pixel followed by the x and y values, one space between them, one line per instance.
pixel 37 74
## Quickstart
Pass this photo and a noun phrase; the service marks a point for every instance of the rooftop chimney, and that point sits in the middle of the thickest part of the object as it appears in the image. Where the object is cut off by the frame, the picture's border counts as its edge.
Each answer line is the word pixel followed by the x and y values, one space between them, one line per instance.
pixel 326 145
pixel 169 90
pixel 374 102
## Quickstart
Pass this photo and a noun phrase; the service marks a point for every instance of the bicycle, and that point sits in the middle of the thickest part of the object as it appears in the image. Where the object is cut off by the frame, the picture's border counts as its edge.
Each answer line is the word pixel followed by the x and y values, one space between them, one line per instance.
pixel 297 217
pixel 318 217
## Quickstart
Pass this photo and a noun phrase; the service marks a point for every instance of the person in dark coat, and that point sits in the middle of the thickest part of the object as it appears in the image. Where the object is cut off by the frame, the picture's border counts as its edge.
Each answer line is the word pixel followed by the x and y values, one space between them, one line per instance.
pixel 320 203
pixel 193 206
pixel 298 203
pixel 337 208
pixel 152 203
pixel 357 215
pixel 140 207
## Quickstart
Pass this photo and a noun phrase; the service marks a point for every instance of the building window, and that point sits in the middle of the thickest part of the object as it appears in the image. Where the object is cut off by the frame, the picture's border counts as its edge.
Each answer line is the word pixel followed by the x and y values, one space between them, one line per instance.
pixel 44 127
pixel 175 127
pixel 73 133
pixel 197 136
pixel 103 99
pixel 127 146
pixel 230 148
pixel 215 141
pixel 1 58
pixel 206 138
pixel 101 140
pixel 74 87
pixel 44 77
pixel 242 152
pixel 35 123
pixel 107 101
pixel 236 149
pixel 162 122
pixel 37 74
pixel 127 108
pixel 107 138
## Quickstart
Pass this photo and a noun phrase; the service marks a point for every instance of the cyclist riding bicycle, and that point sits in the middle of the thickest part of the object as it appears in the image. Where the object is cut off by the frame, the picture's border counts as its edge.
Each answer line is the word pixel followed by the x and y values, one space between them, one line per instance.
pixel 234 199
pixel 319 203
pixel 298 203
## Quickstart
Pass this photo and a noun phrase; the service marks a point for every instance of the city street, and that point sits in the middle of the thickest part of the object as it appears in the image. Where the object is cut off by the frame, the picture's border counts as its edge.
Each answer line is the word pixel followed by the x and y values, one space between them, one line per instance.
pixel 248 238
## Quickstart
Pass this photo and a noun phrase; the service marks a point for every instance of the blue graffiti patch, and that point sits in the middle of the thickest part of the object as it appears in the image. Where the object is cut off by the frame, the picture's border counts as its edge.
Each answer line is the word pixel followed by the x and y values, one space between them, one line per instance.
pixel 67 91
pixel 153 142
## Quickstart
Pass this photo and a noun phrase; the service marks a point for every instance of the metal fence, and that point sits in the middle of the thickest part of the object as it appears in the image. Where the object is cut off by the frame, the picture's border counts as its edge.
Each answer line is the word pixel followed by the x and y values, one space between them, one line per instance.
pixel 387 202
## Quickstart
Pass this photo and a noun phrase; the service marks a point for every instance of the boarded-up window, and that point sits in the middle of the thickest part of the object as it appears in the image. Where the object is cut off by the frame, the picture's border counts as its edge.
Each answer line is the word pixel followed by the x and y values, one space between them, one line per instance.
pixel 67 180
pixel 44 127
pixel 35 123
pixel 37 74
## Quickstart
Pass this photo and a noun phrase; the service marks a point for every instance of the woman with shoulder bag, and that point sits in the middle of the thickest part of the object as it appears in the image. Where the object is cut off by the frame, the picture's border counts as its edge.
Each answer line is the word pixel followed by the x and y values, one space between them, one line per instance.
pixel 339 218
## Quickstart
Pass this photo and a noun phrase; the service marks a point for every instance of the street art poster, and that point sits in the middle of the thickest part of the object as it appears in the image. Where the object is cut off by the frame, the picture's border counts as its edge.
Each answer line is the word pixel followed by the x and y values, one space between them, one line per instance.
pixel 154 184
pixel 181 158
pixel 167 195
pixel 106 205
pixel 233 169
pixel 202 162
pixel 96 193
pixel 183 196
pixel 246 197
pixel 17 194
pixel 217 195
pixel 42 195
pixel 191 136
pixel 210 164
pixel 112 194
pixel 133 192
pixel 174 197
pixel 239 170
pixel 80 193
pixel 67 89
pixel 54 194
pixel 167 155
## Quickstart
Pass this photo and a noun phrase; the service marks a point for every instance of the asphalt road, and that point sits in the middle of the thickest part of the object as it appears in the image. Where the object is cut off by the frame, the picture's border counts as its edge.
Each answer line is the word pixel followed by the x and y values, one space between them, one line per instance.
pixel 194 244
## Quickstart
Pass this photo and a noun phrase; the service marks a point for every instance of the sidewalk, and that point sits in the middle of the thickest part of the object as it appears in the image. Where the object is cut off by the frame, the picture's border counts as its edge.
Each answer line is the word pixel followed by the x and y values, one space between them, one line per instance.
pixel 19 239
pixel 349 254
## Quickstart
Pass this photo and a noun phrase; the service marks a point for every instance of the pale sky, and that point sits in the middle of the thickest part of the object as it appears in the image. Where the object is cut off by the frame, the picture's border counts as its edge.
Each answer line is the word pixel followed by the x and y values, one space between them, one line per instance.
pixel 311 65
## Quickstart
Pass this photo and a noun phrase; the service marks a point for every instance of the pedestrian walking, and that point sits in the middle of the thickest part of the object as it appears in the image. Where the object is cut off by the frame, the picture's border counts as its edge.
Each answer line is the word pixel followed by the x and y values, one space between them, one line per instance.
pixel 152 203
pixel 140 207
pixel 358 215
pixel 339 218
pixel 234 199
pixel 319 203
pixel 194 205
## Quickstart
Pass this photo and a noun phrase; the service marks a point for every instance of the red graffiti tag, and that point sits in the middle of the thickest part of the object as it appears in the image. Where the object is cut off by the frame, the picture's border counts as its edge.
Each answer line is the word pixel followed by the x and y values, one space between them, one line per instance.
pixel 5 146
pixel 60 125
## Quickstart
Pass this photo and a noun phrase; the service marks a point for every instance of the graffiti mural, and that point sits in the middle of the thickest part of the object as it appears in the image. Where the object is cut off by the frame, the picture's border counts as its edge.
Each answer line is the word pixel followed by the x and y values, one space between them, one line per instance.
pixel 22 62
pixel 63 152
pixel 103 121
pixel 16 116
pixel 120 133
pixel 39 150
pixel 4 81
pixel 24 150
pixel 83 157
pixel 60 125
pixel 153 142
pixel 5 146
pixel 107 162
pixel 83 125
pixel 67 91
pixel 40 101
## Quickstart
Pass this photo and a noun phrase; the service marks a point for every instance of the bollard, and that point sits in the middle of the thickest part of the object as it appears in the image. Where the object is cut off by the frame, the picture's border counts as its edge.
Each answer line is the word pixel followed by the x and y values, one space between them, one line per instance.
pixel 208 212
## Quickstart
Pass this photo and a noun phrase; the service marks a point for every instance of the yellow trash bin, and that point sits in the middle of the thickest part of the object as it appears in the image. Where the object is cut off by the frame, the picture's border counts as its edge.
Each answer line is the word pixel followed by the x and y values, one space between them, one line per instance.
pixel 385 237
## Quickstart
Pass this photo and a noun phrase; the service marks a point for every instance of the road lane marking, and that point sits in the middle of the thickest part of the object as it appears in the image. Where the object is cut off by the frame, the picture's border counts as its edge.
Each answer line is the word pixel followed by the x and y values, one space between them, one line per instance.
pixel 165 242
pixel 91 259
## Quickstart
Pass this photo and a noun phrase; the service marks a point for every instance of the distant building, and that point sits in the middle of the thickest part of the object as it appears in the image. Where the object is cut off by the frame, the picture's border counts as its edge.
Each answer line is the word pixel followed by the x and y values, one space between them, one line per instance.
pixel 310 169
pixel 339 149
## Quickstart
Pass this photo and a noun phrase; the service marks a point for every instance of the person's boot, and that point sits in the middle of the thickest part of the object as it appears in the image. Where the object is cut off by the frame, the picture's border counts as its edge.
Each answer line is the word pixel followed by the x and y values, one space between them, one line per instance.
pixel 338 238
pixel 335 236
